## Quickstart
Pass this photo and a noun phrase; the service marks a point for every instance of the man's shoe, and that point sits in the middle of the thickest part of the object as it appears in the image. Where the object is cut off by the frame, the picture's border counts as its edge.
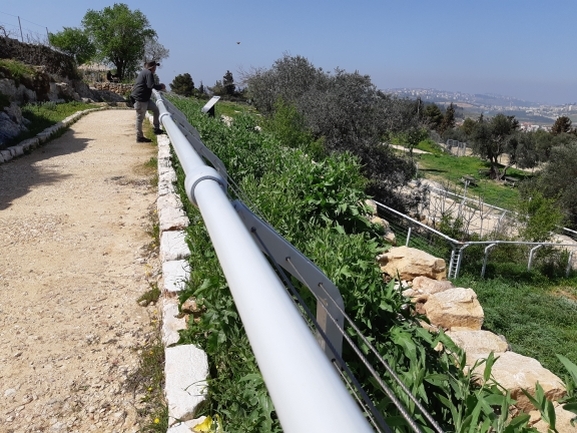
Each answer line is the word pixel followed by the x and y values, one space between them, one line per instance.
pixel 143 140
pixel 158 131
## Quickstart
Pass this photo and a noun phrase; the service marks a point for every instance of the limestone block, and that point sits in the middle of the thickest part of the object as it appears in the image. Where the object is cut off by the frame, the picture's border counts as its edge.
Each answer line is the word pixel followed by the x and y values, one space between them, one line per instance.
pixel 171 322
pixel 186 370
pixel 423 287
pixel 171 216
pixel 516 372
pixel 456 307
pixel 31 143
pixel 479 342
pixel 372 205
pixel 166 179
pixel 16 150
pixel 173 246
pixel 6 155
pixel 175 274
pixel 410 263
pixel 164 151
pixel 380 221
pixel 390 237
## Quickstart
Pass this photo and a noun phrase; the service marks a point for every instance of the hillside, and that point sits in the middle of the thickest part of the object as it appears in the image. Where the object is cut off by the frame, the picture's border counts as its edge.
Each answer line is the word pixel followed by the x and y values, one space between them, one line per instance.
pixel 472 105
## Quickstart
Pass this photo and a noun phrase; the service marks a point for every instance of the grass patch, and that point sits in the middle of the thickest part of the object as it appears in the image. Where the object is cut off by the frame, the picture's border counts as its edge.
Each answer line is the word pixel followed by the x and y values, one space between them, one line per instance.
pixel 231 109
pixel 15 70
pixel 537 318
pixel 443 168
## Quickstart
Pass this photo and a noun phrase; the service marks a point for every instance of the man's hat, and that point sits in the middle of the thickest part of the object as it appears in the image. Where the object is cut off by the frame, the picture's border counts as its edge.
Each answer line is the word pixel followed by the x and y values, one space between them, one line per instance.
pixel 150 65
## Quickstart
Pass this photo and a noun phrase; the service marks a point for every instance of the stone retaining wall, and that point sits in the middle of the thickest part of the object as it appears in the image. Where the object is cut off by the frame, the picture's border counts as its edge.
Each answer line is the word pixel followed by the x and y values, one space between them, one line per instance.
pixel 118 88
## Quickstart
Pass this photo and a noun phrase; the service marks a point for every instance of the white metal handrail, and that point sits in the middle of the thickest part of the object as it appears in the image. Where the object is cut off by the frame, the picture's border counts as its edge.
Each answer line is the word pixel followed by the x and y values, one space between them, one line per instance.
pixel 303 384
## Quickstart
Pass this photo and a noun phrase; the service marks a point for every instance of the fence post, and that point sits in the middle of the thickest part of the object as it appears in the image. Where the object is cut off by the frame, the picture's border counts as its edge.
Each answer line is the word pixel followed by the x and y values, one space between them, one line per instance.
pixel 531 256
pixel 459 259
pixel 487 249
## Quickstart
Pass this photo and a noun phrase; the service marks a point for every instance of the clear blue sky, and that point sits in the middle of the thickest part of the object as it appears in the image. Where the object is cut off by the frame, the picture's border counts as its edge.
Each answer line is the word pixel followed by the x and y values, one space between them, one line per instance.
pixel 519 48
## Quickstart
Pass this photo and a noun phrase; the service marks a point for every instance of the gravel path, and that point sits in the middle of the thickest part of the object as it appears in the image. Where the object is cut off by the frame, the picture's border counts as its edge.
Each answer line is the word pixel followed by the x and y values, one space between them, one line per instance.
pixel 74 258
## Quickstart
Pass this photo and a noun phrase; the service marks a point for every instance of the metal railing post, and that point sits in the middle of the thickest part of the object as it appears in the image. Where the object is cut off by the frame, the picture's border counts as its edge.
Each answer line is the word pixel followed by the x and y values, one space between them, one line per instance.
pixel 485 258
pixel 452 265
pixel 530 262
pixel 460 259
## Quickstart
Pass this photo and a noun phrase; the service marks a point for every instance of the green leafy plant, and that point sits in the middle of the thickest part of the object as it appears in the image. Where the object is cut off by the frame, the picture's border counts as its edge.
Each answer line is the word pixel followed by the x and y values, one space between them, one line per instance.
pixel 316 205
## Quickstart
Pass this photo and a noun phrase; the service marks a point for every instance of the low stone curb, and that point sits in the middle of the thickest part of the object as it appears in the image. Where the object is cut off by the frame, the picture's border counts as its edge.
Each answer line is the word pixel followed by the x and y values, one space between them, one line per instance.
pixel 41 138
pixel 186 366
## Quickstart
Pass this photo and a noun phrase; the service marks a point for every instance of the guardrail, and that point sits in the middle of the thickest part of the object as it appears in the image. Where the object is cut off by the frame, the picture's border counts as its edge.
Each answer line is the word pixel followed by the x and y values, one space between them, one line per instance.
pixel 302 382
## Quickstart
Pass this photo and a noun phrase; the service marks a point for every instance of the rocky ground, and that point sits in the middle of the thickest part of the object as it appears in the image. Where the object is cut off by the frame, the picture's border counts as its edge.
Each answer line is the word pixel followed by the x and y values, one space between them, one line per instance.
pixel 75 255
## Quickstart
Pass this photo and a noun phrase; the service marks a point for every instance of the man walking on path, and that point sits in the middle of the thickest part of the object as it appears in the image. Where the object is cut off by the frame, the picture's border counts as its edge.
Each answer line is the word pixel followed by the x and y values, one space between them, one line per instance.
pixel 141 93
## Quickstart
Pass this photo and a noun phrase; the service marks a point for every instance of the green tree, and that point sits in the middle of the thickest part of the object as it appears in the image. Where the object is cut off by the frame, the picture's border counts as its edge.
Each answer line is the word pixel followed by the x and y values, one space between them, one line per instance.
pixel 448 121
pixel 217 89
pixel 228 83
pixel 75 42
pixel 433 117
pixel 491 139
pixel 182 85
pixel 202 91
pixel 345 112
pixel 468 127
pixel 557 179
pixel 413 136
pixel 539 216
pixel 120 36
pixel 561 125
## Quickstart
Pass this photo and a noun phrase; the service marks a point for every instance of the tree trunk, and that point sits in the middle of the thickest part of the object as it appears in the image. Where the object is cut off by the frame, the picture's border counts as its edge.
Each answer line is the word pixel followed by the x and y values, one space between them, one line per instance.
pixel 494 172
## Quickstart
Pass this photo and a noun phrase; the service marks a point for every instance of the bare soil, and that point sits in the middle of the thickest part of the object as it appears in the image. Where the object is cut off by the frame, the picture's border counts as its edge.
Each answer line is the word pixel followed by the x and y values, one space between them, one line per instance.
pixel 75 255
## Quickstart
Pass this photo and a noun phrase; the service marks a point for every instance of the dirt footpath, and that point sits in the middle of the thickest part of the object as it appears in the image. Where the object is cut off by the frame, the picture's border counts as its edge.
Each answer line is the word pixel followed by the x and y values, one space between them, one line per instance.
pixel 74 258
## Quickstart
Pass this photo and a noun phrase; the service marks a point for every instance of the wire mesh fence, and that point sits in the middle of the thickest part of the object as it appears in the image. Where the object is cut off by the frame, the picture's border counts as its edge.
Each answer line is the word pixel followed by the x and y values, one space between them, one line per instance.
pixel 486 257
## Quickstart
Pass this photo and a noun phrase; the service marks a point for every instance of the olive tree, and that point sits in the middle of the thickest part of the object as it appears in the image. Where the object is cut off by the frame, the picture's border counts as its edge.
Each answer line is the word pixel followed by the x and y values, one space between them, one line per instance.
pixel 494 137
pixel 346 112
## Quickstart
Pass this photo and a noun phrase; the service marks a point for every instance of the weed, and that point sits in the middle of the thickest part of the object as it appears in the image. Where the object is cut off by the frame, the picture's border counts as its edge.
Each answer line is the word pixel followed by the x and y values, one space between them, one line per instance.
pixel 148 382
pixel 149 297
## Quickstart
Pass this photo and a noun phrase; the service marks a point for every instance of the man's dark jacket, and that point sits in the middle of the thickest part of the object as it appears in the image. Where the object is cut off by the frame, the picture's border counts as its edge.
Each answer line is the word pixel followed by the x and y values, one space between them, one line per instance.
pixel 142 90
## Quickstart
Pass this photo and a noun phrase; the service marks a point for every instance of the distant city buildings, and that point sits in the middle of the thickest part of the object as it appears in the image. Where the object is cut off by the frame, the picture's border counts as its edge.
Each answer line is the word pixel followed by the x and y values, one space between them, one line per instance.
pixel 531 115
